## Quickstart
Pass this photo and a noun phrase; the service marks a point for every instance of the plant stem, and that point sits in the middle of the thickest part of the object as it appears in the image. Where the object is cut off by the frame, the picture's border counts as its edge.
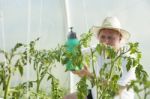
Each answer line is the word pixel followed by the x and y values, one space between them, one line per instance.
pixel 112 65
pixel 38 86
pixel 145 95
pixel 37 82
pixel 138 96
pixel 7 87
pixel 94 72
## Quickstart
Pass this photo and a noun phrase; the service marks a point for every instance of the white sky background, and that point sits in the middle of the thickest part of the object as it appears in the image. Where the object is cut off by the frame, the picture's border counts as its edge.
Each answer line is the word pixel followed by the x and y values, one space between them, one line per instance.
pixel 15 14
pixel 134 16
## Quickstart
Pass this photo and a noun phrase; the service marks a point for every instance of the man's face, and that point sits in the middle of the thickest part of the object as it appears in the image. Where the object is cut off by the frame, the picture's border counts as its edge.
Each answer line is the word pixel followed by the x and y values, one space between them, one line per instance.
pixel 110 37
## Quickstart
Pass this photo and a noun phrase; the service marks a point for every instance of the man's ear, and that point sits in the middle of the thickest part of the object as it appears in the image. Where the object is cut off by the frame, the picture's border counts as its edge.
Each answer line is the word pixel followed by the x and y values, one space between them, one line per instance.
pixel 120 38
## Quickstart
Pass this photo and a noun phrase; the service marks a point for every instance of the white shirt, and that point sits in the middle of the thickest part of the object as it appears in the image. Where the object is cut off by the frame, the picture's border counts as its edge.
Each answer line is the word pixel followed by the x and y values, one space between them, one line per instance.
pixel 125 79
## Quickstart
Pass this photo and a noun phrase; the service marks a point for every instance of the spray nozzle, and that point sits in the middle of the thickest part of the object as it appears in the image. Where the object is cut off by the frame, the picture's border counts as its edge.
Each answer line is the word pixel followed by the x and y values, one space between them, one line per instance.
pixel 72 35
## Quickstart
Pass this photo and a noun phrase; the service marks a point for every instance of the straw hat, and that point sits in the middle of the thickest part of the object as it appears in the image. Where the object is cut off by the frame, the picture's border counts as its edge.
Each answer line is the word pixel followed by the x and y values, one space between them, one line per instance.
pixel 111 23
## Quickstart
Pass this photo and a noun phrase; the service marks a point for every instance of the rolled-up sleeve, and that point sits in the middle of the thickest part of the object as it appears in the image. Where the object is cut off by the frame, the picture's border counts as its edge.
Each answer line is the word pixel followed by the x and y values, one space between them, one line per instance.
pixel 87 50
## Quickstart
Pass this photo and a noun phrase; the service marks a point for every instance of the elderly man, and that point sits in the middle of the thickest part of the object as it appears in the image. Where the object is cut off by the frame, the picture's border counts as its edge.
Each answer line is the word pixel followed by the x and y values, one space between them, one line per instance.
pixel 110 33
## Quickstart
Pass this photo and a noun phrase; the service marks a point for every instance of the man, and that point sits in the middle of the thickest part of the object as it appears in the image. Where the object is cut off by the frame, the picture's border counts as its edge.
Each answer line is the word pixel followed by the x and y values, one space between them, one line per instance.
pixel 110 33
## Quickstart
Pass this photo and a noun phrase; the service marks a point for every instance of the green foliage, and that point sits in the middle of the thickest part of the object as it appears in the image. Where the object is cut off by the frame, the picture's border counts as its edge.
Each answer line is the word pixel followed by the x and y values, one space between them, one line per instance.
pixel 42 61
pixel 85 39
pixel 8 67
pixel 110 73
pixel 56 91
pixel 82 88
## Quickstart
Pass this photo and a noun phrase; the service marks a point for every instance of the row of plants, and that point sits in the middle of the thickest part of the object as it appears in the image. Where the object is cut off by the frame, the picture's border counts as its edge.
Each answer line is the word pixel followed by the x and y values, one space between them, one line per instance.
pixel 42 62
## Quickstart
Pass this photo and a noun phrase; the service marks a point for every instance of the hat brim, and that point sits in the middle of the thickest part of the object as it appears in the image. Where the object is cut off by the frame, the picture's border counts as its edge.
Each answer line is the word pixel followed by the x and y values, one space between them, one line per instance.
pixel 125 34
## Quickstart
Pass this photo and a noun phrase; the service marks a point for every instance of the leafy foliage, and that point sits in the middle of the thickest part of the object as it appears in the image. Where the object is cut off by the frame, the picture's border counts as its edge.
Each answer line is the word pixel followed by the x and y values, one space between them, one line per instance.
pixel 82 88
pixel 42 61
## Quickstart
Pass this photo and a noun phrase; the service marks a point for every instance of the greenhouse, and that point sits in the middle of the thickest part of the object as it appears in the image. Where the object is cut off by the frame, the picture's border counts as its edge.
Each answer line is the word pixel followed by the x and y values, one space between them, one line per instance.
pixel 74 49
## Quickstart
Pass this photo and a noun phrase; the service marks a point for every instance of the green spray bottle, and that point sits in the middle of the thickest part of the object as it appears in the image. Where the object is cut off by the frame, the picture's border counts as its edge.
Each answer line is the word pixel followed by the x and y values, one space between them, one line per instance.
pixel 71 45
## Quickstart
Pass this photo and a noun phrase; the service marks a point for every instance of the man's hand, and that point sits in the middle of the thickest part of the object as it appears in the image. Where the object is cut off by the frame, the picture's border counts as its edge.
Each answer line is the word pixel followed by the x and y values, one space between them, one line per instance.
pixel 83 72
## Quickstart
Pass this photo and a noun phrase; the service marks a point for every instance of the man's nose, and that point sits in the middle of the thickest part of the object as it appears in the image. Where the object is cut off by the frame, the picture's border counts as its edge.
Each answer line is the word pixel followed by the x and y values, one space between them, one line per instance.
pixel 106 41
